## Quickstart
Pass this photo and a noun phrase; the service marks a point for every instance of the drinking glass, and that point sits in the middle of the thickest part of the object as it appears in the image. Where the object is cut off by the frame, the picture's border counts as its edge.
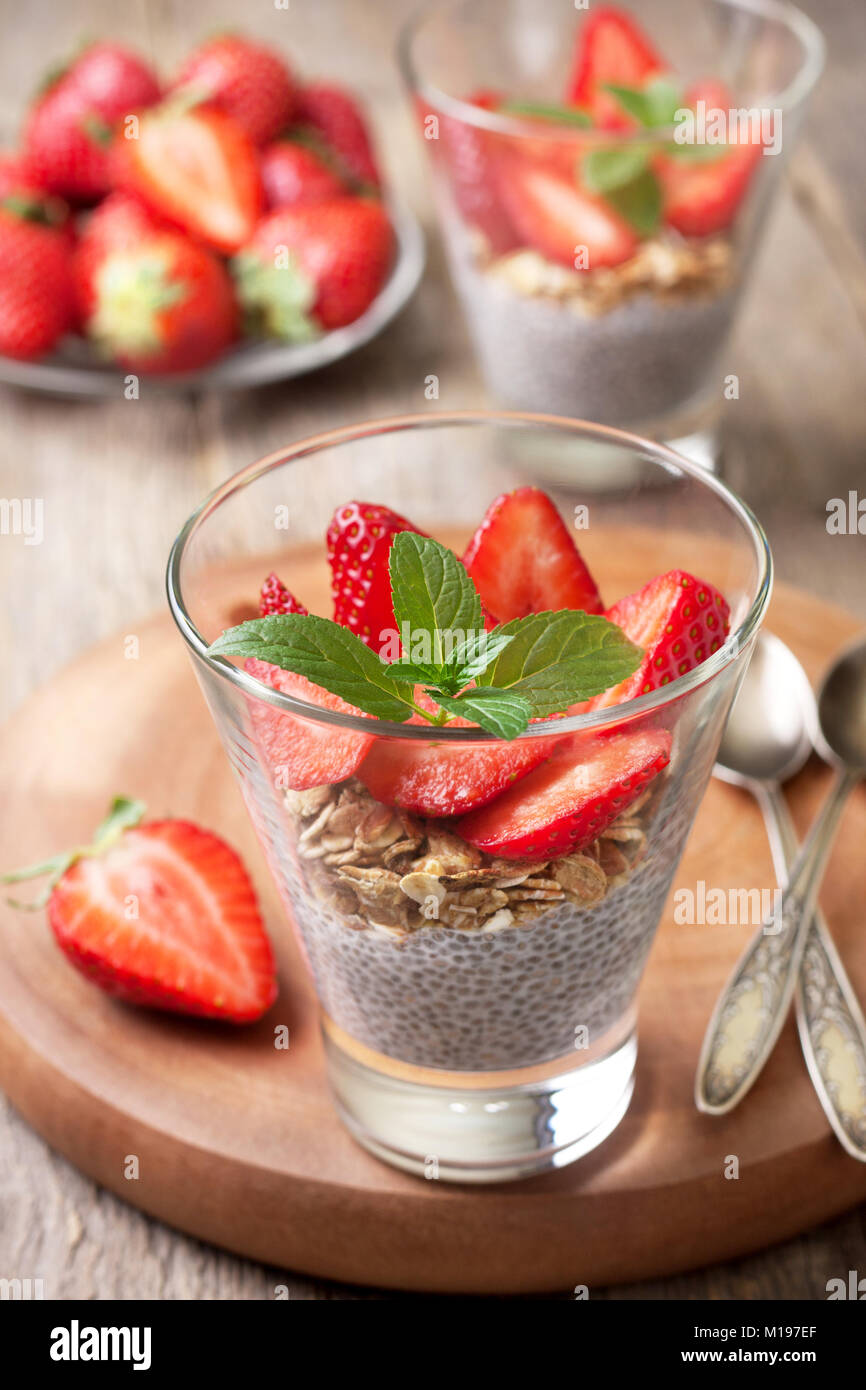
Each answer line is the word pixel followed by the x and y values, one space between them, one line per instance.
pixel 478 1015
pixel 640 344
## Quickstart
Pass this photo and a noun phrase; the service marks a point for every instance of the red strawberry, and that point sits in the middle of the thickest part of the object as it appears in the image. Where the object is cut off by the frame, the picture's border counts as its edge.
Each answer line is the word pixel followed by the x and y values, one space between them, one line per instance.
pixel 562 221
pixel 275 598
pixel 702 197
pixel 301 753
pixel 163 304
pixel 678 620
pixel 566 803
pixel 293 174
pixel 247 81
pixel 360 537
pixel 162 915
pixel 335 116
pixel 434 780
pixel 326 262
pixel 21 194
pixel 611 48
pixel 471 157
pixel 523 560
pixel 36 297
pixel 198 169
pixel 119 221
pixel 69 130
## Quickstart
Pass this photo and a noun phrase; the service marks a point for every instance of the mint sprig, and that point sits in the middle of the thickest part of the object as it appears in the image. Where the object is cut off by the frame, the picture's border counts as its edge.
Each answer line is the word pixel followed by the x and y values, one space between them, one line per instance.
pixel 500 679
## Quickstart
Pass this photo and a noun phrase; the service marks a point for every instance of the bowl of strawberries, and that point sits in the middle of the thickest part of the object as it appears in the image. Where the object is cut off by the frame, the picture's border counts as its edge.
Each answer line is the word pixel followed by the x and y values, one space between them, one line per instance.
pixel 227 227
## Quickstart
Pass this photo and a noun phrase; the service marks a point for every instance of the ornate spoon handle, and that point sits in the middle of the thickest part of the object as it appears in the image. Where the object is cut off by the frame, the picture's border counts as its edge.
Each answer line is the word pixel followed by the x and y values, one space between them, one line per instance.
pixel 751 1010
pixel 830 1020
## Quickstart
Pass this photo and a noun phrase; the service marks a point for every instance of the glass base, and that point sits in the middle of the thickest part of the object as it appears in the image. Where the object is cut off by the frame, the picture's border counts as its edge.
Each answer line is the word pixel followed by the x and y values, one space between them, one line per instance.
pixel 473 1132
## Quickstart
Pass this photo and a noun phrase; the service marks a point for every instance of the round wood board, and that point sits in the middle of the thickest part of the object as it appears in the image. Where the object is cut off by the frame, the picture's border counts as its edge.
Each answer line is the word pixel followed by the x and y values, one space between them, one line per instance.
pixel 237 1142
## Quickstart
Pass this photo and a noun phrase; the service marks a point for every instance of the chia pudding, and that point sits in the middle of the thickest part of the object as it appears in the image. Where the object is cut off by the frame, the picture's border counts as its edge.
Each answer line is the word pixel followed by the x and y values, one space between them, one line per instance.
pixel 624 346
pixel 443 957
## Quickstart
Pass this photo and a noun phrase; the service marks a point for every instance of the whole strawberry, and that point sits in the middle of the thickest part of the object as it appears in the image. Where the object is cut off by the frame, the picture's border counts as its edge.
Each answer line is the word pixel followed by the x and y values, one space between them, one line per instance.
pixel 292 174
pixel 195 942
pixel 334 116
pixel 163 304
pixel 120 220
pixel 36 297
pixel 70 128
pixel 247 81
pixel 21 193
pixel 315 267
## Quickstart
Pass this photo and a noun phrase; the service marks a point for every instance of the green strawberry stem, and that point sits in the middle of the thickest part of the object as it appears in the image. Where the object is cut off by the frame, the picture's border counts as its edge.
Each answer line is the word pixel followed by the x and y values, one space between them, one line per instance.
pixel 122 815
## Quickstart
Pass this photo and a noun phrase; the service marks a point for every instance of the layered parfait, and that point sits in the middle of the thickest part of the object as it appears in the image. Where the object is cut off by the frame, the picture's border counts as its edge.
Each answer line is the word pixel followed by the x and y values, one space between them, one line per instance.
pixel 475 883
pixel 598 258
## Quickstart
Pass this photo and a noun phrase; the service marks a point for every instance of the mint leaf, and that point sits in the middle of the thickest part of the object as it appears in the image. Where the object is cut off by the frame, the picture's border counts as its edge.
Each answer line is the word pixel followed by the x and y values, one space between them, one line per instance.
pixel 654 105
pixel 606 169
pixel 325 653
pixel 478 652
pixel 696 153
pixel 433 597
pixel 639 202
pixel 503 713
pixel 549 111
pixel 411 673
pixel 558 658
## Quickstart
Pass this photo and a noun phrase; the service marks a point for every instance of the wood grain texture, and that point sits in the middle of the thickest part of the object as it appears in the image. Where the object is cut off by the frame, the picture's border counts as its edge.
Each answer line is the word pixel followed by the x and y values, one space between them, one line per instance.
pixel 118 478
pixel 238 1141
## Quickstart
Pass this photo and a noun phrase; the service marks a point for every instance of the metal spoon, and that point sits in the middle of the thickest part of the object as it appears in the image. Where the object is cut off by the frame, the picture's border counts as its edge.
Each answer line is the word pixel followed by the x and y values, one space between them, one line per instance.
pixel 768 740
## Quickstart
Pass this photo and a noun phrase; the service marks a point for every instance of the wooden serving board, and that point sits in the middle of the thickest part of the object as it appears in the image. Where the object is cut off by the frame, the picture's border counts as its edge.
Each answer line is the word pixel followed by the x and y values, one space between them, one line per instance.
pixel 237 1142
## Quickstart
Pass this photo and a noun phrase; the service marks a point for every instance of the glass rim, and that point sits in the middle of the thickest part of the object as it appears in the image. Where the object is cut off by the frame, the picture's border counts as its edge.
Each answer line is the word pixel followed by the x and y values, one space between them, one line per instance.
pixel 792 96
pixel 666 458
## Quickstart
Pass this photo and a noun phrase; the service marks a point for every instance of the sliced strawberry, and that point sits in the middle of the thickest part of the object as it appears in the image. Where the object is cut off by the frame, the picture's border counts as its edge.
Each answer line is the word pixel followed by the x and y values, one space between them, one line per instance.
pixel 610 48
pixel 678 620
pixel 301 753
pixel 196 167
pixel 360 537
pixel 470 154
pixel 566 803
pixel 432 779
pixel 523 560
pixel 565 223
pixel 194 943
pixel 275 598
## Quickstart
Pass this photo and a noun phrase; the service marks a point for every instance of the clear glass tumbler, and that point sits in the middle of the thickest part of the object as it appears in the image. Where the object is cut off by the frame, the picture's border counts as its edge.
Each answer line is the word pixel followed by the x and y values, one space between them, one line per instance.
pixel 623 320
pixel 479 1016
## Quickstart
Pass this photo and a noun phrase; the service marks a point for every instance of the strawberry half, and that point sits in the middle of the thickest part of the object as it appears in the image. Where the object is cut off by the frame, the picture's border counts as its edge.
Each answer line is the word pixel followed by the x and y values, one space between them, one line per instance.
pixel 610 48
pixel 301 753
pixel 551 213
pixel 703 197
pixel 197 168
pixel 434 780
pixel 276 598
pixel 566 803
pixel 163 915
pixel 359 538
pixel 678 620
pixel 522 559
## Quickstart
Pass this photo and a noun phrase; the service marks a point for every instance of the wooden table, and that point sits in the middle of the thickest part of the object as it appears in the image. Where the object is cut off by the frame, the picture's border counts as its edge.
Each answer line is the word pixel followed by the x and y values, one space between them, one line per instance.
pixel 118 477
